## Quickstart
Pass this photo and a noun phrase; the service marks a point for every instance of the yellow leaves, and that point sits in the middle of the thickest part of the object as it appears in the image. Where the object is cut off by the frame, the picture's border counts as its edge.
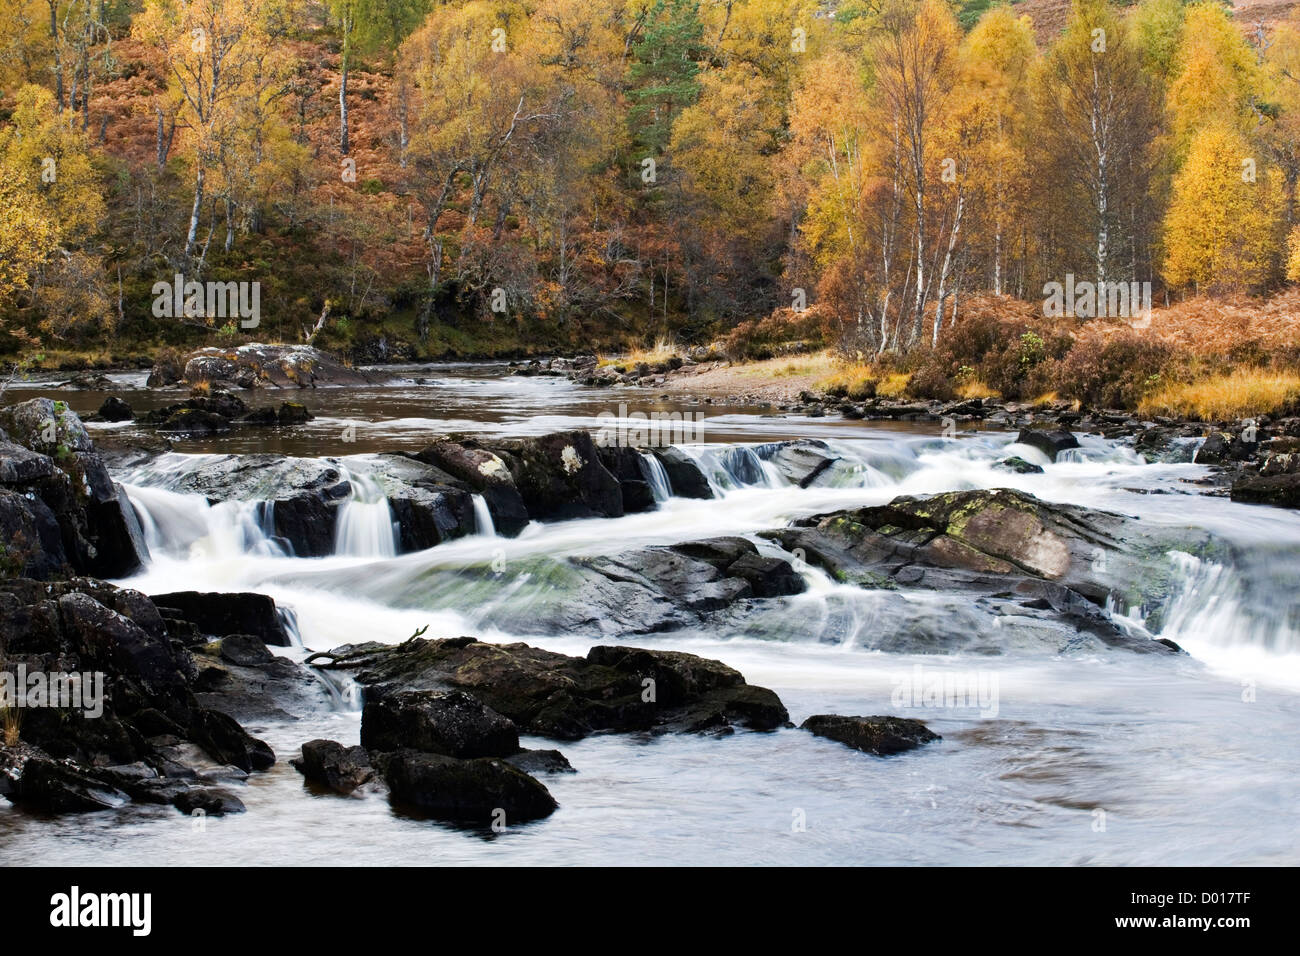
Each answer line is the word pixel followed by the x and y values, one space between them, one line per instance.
pixel 1215 73
pixel 27 237
pixel 1220 224
pixel 1293 261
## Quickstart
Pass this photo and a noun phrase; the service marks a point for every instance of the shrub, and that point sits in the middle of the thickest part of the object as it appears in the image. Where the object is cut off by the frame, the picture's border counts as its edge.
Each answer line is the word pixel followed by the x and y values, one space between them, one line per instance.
pixel 1117 371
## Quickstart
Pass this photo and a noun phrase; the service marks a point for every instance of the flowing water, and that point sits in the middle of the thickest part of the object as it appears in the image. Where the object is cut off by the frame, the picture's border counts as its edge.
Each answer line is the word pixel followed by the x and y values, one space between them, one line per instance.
pixel 1051 758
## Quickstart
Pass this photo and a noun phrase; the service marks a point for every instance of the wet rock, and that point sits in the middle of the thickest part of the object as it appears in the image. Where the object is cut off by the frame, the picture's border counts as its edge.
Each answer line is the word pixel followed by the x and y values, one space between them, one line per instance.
pixel 485 472
pixel 1050 442
pixel 481 791
pixel 1281 490
pixel 555 695
pixel 540 761
pixel 212 801
pixel 1214 450
pixel 222 737
pixel 881 736
pixel 799 462
pixel 115 410
pixel 630 470
pixel 997 542
pixel 54 786
pixel 443 722
pixel 221 613
pixel 739 558
pixel 1019 466
pixel 245 650
pixel 684 475
pixel 560 476
pixel 330 764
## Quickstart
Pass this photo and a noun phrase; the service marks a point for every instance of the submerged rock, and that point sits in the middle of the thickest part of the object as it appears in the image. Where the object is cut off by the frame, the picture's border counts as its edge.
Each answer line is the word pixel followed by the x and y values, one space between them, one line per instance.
pixel 800 462
pixel 881 736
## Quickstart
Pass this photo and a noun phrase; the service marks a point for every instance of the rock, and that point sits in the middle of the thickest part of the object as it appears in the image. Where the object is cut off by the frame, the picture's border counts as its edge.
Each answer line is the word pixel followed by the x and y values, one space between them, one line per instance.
pixel 443 722
pixel 881 736
pixel 483 791
pixel 1050 442
pixel 168 370
pixel 485 472
pixel 999 543
pixel 560 476
pixel 738 558
pixel 212 801
pixel 1281 490
pixel 1018 465
pixel 58 787
pixel 630 469
pixel 220 613
pixel 115 410
pixel 684 475
pixel 31 544
pixel 293 413
pixel 1214 450
pixel 227 742
pixel 540 761
pixel 245 650
pixel 799 462
pixel 554 695
pixel 50 457
pixel 270 366
pixel 330 764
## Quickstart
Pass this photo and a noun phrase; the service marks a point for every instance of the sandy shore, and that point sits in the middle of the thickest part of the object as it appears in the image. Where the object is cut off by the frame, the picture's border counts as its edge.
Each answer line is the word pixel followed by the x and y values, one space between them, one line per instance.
pixel 775 381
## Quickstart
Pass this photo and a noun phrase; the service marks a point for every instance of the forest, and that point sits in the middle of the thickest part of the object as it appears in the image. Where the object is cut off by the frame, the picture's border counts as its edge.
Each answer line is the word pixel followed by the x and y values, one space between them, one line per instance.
pixel 411 179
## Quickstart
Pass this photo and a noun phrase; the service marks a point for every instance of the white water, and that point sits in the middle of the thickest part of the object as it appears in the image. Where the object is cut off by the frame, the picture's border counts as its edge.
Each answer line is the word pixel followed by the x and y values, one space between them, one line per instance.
pixel 657 477
pixel 483 524
pixel 365 525
pixel 1193 759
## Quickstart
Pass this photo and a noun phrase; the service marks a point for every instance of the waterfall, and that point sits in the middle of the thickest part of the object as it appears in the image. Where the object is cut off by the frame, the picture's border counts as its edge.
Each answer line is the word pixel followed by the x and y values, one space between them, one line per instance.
pixel 365 526
pixel 657 477
pixel 178 524
pixel 483 518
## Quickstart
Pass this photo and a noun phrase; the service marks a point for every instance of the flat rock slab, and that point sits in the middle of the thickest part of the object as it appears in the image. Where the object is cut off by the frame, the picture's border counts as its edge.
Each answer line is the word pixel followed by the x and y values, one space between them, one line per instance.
pixel 881 736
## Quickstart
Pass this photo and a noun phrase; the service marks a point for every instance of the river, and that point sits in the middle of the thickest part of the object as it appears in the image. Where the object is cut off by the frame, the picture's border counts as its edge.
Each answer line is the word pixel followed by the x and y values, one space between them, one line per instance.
pixel 1074 757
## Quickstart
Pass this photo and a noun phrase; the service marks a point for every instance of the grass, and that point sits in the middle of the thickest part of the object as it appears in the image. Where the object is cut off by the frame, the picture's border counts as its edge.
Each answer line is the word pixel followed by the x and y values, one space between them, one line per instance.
pixel 1243 393
pixel 663 349
pixel 976 389
pixel 11 722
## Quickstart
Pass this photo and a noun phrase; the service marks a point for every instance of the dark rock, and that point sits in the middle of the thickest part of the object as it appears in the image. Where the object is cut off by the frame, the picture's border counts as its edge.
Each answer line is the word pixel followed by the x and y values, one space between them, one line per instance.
pixel 115 410
pixel 881 736
pixel 222 613
pixel 330 764
pixel 212 801
pixel 443 722
pixel 1214 450
pixel 58 787
pixel 245 650
pixel 485 472
pixel 554 695
pixel 1281 490
pixel 227 742
pixel 799 462
pixel 629 468
pixel 684 475
pixel 1050 442
pixel 540 761
pixel 1018 465
pixel 270 366
pixel 560 476
pixel 482 791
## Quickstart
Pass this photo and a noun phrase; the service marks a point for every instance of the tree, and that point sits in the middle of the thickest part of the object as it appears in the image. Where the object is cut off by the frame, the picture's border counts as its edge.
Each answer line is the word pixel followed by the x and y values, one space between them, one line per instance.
pixel 1096 118
pixel 664 75
pixel 1220 226
pixel 1216 74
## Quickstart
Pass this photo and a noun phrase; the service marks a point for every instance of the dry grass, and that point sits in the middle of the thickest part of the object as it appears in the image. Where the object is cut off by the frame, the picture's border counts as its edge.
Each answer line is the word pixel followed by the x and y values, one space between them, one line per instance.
pixel 893 385
pixel 11 723
pixel 976 389
pixel 663 349
pixel 1243 393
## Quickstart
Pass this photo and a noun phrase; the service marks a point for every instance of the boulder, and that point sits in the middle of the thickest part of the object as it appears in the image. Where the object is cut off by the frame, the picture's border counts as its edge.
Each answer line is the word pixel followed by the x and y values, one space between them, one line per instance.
pixel 220 613
pixel 330 764
pixel 269 366
pixel 54 786
pixel 443 722
pixel 881 736
pixel 684 475
pixel 483 791
pixel 485 472
pixel 560 476
pixel 629 468
pixel 1018 465
pixel 799 462
pixel 115 410
pixel 1051 442
pixel 1281 490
